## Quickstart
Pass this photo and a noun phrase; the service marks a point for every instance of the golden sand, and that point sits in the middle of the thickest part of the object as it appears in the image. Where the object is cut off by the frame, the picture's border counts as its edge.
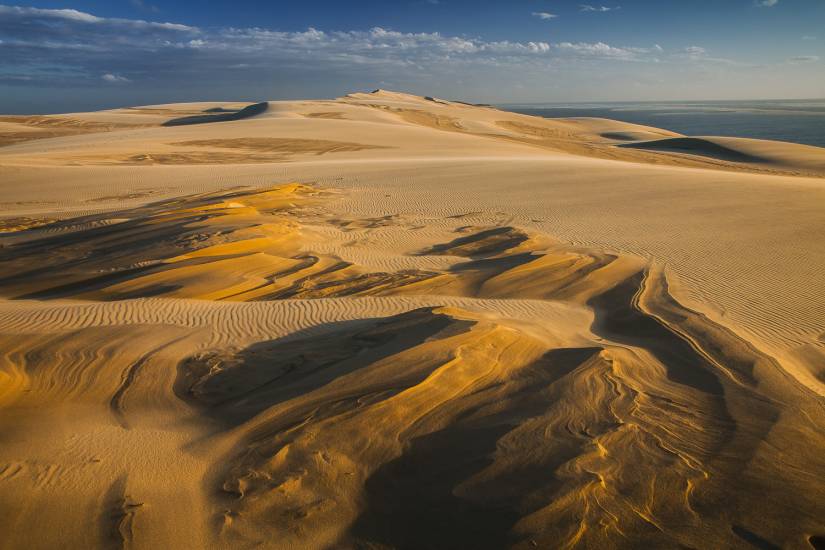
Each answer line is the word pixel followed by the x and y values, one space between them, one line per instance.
pixel 388 321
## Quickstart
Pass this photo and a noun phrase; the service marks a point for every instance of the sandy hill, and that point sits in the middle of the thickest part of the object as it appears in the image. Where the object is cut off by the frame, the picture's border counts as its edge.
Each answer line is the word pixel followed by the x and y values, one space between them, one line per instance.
pixel 392 321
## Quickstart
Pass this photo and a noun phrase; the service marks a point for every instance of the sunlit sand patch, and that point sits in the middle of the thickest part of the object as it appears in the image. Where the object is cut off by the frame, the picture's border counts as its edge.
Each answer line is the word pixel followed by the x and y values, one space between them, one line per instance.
pixel 137 256
pixel 13 225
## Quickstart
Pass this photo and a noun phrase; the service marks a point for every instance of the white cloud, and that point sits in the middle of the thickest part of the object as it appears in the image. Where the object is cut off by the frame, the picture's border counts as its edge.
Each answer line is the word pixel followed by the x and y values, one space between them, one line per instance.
pixel 114 79
pixel 169 26
pixel 544 15
pixel 144 48
pixel 599 49
pixel 766 3
pixel 377 43
pixel 808 37
pixel 69 14
pixel 55 48
pixel 588 7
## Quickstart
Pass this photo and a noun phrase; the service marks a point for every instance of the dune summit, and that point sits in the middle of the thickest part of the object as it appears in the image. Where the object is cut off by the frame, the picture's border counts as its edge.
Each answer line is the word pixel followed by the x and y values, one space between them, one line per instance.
pixel 390 321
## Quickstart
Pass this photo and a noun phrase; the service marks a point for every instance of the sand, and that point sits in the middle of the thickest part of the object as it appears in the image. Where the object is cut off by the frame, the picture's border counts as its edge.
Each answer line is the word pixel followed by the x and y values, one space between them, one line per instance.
pixel 389 321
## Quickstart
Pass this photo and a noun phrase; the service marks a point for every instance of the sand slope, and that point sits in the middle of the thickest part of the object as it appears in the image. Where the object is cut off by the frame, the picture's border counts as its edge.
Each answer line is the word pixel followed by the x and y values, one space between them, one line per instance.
pixel 388 321
pixel 741 150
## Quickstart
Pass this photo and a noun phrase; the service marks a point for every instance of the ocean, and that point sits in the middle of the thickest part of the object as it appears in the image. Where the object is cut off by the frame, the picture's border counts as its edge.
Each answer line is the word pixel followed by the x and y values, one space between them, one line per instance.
pixel 798 121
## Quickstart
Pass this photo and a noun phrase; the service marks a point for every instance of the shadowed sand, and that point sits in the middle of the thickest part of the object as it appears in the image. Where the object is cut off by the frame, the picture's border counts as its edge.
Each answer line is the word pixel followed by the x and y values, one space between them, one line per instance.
pixel 417 342
pixel 741 150
pixel 217 114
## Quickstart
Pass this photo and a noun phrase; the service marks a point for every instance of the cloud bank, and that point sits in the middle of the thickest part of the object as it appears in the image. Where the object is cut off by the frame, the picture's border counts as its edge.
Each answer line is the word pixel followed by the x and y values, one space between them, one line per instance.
pixel 42 49
pixel 70 45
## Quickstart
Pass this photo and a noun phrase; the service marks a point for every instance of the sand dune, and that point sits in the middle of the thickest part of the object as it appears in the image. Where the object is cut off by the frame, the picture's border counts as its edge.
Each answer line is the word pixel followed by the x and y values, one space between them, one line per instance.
pixel 18 129
pixel 390 321
pixel 743 150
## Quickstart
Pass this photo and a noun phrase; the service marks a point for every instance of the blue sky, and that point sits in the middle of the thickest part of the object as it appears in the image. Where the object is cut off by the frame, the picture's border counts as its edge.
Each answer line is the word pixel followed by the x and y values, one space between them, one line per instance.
pixel 86 54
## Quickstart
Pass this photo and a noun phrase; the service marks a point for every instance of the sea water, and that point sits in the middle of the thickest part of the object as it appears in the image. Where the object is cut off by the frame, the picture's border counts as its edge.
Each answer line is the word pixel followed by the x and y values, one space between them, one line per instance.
pixel 798 121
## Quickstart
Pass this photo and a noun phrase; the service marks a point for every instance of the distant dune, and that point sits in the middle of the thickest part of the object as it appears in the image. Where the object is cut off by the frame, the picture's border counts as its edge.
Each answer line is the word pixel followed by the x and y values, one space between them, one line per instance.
pixel 742 150
pixel 391 321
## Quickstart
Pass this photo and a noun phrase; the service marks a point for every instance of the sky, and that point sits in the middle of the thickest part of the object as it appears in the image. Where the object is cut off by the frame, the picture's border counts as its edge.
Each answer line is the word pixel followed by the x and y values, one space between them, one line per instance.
pixel 75 55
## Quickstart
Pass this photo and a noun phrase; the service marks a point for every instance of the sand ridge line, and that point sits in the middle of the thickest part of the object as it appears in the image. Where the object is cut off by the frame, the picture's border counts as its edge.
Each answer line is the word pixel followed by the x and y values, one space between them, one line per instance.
pixel 179 248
